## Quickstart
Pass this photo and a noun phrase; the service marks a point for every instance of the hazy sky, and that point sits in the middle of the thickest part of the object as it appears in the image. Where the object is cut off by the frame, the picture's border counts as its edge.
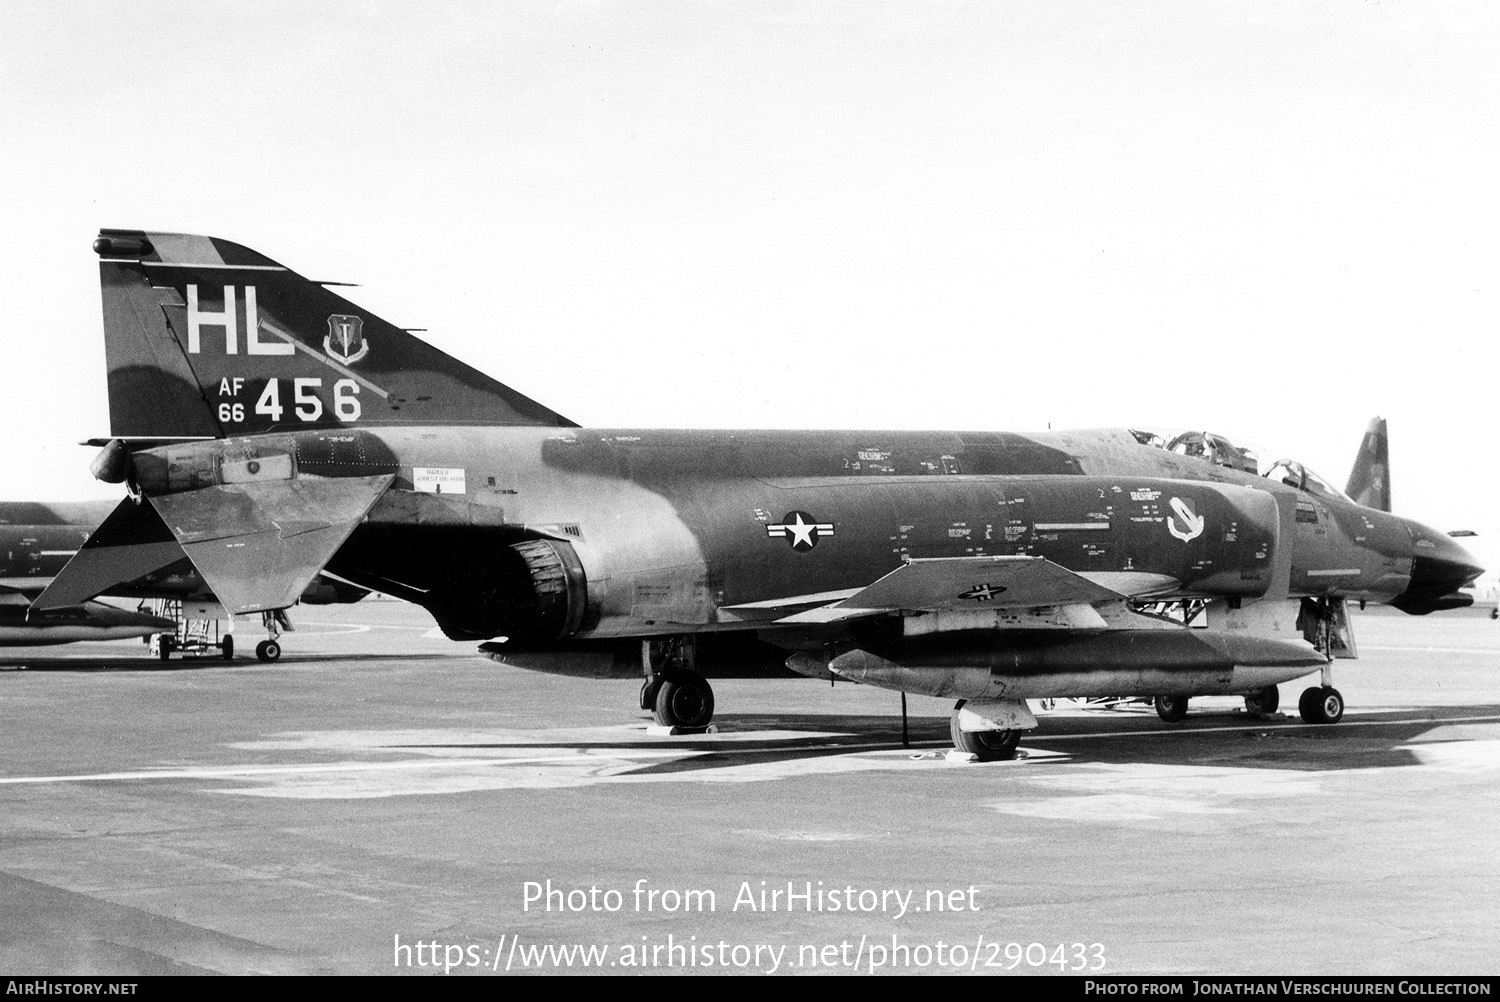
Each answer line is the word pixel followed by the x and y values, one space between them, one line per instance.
pixel 1271 220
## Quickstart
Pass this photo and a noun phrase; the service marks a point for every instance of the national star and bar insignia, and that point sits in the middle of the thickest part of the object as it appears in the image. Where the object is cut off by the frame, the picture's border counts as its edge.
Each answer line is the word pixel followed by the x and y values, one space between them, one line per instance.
pixel 983 592
pixel 800 529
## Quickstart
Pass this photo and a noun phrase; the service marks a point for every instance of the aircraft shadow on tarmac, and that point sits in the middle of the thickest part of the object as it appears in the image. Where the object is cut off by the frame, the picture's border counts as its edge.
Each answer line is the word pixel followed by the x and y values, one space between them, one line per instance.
pixel 1376 739
pixel 146 663
pixel 1370 740
pixel 817 736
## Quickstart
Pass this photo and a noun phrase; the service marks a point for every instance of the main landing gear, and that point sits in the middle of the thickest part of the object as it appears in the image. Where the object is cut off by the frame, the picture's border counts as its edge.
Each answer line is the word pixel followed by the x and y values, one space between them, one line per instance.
pixel 680 697
pixel 1002 722
pixel 274 621
pixel 986 746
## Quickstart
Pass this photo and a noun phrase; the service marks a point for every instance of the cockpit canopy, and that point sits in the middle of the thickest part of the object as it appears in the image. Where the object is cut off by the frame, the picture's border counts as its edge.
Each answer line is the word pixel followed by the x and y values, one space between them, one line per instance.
pixel 1219 450
pixel 1294 474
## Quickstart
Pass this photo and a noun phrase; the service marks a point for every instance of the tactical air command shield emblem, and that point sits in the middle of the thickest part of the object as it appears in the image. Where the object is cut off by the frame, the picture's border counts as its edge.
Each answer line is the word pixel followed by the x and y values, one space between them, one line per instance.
pixel 346 339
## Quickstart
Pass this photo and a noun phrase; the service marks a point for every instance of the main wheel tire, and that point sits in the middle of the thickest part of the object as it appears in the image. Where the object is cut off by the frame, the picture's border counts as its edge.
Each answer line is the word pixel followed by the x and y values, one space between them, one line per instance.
pixel 987 746
pixel 1263 701
pixel 164 648
pixel 1321 705
pixel 1171 708
pixel 268 650
pixel 648 692
pixel 226 647
pixel 684 699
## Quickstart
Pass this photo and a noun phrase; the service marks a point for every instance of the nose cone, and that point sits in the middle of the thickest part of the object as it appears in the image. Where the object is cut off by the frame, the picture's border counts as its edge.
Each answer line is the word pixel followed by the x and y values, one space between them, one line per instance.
pixel 1440 567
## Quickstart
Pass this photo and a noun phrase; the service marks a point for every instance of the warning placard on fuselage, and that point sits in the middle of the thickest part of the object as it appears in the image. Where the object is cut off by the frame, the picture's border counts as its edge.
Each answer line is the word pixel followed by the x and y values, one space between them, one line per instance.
pixel 438 479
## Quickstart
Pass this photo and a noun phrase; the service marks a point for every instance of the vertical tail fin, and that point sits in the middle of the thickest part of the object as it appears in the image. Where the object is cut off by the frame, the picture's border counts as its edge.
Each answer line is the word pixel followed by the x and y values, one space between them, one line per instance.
pixel 1370 479
pixel 205 338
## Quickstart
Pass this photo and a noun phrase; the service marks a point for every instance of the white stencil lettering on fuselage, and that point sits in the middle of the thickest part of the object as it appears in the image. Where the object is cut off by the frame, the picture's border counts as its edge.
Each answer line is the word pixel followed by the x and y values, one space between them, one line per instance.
pixel 438 480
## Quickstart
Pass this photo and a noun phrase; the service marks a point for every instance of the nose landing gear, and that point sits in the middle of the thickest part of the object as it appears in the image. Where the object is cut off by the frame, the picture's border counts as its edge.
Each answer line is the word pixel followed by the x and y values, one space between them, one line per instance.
pixel 1321 705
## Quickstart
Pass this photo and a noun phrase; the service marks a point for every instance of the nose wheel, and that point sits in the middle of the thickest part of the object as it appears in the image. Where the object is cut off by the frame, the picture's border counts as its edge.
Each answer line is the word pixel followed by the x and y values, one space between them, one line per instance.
pixel 1321 705
pixel 268 650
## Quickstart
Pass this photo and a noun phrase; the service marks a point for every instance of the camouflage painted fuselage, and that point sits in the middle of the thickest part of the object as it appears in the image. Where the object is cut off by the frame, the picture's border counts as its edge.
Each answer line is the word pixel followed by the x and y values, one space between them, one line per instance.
pixel 548 534
pixel 37 538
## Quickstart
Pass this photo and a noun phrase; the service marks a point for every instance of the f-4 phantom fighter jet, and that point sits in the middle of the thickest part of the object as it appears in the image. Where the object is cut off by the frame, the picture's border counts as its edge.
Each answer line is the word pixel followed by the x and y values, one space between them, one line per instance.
pixel 268 429
pixel 36 541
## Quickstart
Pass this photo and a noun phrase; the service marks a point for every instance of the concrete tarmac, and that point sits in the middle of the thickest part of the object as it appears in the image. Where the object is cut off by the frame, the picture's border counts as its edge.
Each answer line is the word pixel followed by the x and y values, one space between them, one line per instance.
pixel 384 801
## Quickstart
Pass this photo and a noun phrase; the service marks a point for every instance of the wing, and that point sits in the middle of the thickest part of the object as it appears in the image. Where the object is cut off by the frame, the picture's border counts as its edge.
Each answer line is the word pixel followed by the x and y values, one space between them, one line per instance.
pixel 948 584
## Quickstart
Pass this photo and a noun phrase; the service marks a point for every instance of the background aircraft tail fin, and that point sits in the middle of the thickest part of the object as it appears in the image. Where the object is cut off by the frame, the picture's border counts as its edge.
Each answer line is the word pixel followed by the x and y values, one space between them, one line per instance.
pixel 1370 479
pixel 205 338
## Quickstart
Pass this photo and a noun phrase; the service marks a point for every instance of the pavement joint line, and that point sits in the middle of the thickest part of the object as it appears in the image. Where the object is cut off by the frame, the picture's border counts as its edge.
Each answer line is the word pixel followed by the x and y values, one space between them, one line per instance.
pixel 1433 650
pixel 1346 722
pixel 233 772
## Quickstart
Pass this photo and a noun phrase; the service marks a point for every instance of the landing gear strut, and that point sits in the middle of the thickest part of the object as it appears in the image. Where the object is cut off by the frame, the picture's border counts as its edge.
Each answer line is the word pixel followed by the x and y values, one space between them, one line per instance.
pixel 270 648
pixel 674 690
pixel 1322 704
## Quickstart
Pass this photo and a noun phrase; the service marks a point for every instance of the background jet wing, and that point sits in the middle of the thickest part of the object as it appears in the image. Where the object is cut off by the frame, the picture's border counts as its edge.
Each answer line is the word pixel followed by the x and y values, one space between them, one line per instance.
pixel 942 583
pixel 258 546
